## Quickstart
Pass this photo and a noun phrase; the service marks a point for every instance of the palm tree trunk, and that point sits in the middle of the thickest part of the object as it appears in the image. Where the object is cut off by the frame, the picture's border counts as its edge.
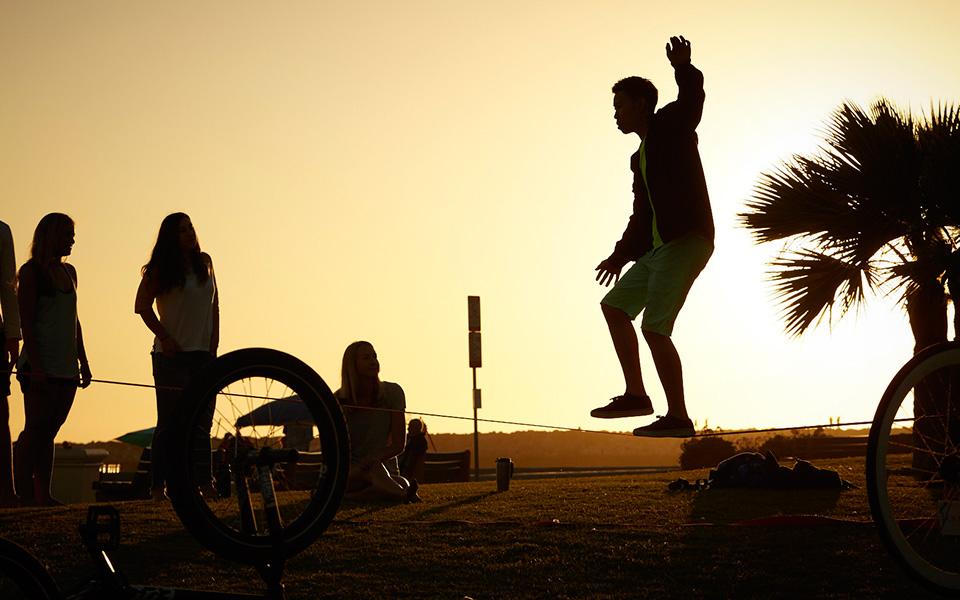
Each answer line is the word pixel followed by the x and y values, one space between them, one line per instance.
pixel 927 311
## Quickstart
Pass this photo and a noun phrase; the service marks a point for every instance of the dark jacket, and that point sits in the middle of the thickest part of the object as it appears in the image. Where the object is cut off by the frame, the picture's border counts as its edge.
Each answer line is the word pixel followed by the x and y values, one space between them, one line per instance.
pixel 674 174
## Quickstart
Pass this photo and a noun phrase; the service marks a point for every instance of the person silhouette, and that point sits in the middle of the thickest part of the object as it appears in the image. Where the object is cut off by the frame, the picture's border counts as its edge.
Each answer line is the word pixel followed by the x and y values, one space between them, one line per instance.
pixel 53 361
pixel 180 279
pixel 669 237
pixel 10 336
pixel 414 454
pixel 374 411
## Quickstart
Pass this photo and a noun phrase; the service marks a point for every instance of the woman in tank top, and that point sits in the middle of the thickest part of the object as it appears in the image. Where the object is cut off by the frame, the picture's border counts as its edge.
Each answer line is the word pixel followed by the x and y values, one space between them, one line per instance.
pixel 53 361
pixel 180 279
pixel 374 412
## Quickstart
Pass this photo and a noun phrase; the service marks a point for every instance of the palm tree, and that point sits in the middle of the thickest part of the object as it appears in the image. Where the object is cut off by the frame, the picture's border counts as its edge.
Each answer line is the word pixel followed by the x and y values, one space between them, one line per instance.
pixel 877 208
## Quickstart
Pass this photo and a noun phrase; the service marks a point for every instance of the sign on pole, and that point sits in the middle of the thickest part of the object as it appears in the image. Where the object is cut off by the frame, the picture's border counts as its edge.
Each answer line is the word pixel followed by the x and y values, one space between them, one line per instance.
pixel 473 313
pixel 476 356
pixel 476 361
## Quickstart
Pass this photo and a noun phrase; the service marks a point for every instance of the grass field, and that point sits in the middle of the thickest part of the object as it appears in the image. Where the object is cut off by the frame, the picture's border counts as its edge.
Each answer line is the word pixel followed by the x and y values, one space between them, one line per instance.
pixel 601 537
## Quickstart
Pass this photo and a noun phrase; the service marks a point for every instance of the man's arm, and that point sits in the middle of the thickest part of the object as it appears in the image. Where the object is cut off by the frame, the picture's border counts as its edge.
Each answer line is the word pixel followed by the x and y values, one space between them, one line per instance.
pixel 689 81
pixel 609 268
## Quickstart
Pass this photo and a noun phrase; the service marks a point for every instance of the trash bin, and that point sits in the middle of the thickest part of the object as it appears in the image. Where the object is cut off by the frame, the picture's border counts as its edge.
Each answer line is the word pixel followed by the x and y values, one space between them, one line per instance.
pixel 74 471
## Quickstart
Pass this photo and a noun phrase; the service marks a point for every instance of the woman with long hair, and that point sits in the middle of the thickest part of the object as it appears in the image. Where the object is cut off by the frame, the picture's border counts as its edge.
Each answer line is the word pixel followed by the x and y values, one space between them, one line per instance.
pixel 374 411
pixel 180 279
pixel 10 336
pixel 53 361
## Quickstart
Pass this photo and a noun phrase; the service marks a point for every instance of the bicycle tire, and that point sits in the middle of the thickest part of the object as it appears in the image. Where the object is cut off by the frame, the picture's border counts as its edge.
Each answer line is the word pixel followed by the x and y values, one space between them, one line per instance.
pixel 19 568
pixel 308 515
pixel 907 500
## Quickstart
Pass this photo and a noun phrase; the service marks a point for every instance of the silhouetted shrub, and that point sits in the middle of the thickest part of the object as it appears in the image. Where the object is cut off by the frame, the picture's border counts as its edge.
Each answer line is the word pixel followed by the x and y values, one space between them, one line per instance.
pixel 697 453
pixel 797 443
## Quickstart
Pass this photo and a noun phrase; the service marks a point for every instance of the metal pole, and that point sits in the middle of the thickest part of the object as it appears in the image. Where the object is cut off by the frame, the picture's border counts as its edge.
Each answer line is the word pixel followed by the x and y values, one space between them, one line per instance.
pixel 476 360
pixel 476 434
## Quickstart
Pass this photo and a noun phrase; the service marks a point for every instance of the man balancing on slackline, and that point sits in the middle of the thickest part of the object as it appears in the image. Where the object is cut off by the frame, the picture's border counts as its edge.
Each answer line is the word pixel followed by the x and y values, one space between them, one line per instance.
pixel 669 236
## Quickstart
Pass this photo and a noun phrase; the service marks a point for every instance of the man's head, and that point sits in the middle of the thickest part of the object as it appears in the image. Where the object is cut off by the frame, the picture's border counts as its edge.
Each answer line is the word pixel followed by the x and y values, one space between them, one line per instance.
pixel 634 100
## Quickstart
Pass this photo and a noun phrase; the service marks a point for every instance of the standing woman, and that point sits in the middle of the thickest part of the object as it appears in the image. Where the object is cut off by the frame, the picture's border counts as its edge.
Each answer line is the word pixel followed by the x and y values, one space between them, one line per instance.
pixel 10 336
pixel 374 411
pixel 181 280
pixel 53 361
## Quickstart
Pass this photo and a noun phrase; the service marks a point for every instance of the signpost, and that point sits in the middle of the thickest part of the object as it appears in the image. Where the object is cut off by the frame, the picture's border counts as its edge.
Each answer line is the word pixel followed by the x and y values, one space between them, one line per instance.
pixel 476 361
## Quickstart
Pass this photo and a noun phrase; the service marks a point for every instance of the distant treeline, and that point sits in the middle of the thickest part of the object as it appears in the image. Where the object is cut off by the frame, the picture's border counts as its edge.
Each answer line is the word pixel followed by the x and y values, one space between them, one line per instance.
pixel 565 449
pixel 534 448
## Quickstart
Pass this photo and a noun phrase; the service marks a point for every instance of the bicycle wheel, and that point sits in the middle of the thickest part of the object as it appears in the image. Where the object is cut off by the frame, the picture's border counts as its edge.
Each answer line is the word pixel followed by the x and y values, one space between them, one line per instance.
pixel 250 394
pixel 913 467
pixel 22 577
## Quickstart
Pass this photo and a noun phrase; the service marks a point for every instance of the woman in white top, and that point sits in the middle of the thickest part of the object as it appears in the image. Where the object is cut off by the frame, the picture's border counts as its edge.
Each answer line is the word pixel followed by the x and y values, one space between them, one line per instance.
pixel 53 361
pixel 180 279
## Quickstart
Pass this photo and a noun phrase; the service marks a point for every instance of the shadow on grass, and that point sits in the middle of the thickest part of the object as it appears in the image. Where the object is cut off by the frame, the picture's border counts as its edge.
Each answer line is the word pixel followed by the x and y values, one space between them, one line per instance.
pixel 731 505
pixel 346 514
pixel 438 510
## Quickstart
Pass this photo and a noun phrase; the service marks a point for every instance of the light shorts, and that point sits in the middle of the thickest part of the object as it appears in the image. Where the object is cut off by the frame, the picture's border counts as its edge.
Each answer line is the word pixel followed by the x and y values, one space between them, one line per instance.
pixel 657 284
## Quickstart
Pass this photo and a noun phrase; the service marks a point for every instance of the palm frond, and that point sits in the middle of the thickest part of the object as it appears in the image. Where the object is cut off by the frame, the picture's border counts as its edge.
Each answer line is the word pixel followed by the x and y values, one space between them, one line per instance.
pixel 793 201
pixel 808 284
pixel 857 194
pixel 928 266
pixel 939 185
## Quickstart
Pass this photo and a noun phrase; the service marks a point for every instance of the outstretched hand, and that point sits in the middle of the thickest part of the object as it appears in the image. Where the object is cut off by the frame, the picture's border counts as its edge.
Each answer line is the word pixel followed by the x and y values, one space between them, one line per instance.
pixel 678 51
pixel 608 271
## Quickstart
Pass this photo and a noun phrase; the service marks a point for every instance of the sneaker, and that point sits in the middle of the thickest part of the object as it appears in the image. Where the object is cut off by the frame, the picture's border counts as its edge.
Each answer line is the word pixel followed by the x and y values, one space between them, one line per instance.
pixel 627 405
pixel 412 496
pixel 667 426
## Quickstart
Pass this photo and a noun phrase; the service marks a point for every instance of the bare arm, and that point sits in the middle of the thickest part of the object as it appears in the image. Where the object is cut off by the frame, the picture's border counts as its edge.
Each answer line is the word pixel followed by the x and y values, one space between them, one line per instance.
pixel 143 306
pixel 215 334
pixel 85 375
pixel 8 296
pixel 397 437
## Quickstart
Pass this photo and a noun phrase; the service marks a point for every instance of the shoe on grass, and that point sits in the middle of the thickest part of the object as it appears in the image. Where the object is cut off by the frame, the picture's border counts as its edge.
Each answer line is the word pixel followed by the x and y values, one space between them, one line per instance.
pixel 412 495
pixel 668 426
pixel 627 405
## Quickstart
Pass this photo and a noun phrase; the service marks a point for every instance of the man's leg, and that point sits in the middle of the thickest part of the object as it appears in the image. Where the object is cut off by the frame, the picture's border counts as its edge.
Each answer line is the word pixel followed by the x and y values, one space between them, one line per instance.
pixel 673 270
pixel 620 305
pixel 624 338
pixel 667 360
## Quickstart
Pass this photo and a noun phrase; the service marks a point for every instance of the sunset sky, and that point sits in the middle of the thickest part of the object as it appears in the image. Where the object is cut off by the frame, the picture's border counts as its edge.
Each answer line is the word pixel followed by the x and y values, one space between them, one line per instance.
pixel 356 170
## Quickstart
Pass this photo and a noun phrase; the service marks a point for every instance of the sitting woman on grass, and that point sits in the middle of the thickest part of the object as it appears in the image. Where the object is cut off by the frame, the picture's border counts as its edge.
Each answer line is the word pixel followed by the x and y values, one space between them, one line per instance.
pixel 375 419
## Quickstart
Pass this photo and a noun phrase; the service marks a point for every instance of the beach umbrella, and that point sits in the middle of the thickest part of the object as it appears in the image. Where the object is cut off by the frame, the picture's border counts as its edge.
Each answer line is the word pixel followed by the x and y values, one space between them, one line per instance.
pixel 285 411
pixel 142 437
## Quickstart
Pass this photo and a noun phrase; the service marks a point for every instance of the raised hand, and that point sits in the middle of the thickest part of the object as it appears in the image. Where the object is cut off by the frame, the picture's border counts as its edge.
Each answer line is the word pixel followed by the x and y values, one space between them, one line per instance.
pixel 678 51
